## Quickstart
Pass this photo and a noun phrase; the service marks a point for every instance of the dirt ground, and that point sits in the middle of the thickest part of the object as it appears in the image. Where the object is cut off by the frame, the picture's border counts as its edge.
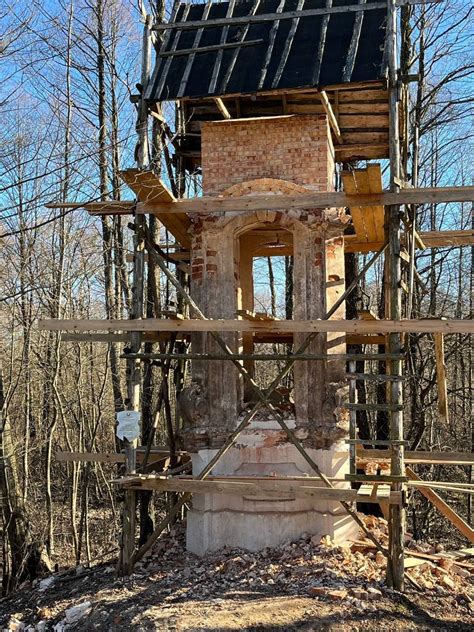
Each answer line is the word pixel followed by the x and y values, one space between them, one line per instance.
pixel 142 603
pixel 304 585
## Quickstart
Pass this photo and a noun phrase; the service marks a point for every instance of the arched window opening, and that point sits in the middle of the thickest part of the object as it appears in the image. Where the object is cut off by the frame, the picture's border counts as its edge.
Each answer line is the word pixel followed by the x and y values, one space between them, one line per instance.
pixel 266 293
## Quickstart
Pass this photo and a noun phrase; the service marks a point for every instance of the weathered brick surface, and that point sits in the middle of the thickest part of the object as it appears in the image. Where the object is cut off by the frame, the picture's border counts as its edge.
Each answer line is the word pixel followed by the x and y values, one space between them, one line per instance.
pixel 293 148
pixel 278 155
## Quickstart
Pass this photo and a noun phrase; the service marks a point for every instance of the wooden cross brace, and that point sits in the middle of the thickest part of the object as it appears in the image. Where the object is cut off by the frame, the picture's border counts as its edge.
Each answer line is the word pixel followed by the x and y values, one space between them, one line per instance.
pixel 263 396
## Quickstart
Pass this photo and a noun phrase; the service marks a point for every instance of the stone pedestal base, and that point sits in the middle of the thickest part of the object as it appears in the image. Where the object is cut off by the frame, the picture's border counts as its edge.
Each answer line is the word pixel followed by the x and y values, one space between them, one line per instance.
pixel 218 520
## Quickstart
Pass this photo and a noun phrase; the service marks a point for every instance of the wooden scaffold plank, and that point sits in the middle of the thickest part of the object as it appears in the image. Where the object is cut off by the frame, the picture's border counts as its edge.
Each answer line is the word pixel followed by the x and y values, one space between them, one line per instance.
pixel 259 487
pixel 302 326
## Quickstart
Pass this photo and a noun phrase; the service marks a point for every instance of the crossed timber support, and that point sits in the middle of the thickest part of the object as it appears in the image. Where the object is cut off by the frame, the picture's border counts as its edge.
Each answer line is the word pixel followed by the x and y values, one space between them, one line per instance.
pixel 263 397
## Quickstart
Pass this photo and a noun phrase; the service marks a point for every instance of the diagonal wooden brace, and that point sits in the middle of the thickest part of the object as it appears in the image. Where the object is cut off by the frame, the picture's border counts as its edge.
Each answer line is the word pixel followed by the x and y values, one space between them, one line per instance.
pixel 263 396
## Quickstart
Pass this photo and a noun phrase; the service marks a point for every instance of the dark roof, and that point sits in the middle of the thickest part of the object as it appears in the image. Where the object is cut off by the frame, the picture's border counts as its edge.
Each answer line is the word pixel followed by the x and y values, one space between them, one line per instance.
pixel 306 52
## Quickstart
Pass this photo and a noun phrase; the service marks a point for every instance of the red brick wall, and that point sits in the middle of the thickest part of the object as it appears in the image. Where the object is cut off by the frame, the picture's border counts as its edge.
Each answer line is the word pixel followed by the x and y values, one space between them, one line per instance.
pixel 294 148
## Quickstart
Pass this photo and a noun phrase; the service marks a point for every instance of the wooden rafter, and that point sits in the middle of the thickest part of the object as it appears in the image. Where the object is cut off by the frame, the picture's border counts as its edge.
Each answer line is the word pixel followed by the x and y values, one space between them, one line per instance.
pixel 331 116
pixel 163 72
pixel 288 45
pixel 192 54
pixel 271 44
pixel 209 49
pixel 321 44
pixel 354 45
pixel 218 60
pixel 235 54
pixel 222 108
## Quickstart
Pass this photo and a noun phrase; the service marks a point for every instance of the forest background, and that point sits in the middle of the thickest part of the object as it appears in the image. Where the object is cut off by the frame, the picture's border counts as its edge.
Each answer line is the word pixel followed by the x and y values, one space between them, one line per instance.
pixel 67 71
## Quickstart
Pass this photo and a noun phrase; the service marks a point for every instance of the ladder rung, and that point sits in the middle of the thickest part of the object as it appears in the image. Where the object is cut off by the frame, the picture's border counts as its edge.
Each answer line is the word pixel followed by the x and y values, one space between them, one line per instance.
pixel 383 478
pixel 388 442
pixel 374 377
pixel 389 407
pixel 373 356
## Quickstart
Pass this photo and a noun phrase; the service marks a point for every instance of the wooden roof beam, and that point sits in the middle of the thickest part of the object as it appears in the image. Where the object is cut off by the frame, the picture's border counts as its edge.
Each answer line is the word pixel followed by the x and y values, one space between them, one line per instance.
pixel 331 116
pixel 222 108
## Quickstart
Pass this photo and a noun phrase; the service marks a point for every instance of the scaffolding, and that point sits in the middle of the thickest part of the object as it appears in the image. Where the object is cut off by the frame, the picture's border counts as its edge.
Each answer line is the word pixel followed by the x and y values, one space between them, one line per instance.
pixel 377 220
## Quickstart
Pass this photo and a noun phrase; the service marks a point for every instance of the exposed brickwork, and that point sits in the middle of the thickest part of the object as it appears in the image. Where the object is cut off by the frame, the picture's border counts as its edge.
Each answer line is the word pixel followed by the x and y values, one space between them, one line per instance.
pixel 293 148
pixel 264 185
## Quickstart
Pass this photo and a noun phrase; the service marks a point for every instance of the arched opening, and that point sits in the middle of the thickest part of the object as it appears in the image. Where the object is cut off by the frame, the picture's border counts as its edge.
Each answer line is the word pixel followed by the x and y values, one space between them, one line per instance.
pixel 265 292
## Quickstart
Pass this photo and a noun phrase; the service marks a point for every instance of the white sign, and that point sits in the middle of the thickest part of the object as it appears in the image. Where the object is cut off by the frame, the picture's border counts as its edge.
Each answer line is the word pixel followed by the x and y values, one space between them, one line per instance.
pixel 128 425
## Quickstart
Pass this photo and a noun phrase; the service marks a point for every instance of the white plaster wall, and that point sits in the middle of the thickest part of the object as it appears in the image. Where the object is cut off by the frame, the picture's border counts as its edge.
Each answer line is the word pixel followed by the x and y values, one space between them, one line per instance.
pixel 253 523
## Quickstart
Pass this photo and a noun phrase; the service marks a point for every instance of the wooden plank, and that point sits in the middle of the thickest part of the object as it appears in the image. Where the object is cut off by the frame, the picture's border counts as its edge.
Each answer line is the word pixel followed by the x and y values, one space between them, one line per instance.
pixel 222 108
pixel 362 153
pixel 107 457
pixel 255 316
pixel 312 105
pixel 331 116
pixel 413 562
pixel 211 48
pixel 441 378
pixel 163 71
pixel 368 339
pixel 304 326
pixel 242 35
pixel 271 43
pixel 220 53
pixel 321 44
pixel 361 96
pixel 353 46
pixel 268 202
pixel 358 218
pixel 271 489
pixel 441 239
pixel 360 147
pixel 110 207
pixel 266 17
pixel 149 188
pixel 363 121
pixel 420 456
pixel 369 221
pixel 374 174
pixel 443 507
pixel 192 55
pixel 288 44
